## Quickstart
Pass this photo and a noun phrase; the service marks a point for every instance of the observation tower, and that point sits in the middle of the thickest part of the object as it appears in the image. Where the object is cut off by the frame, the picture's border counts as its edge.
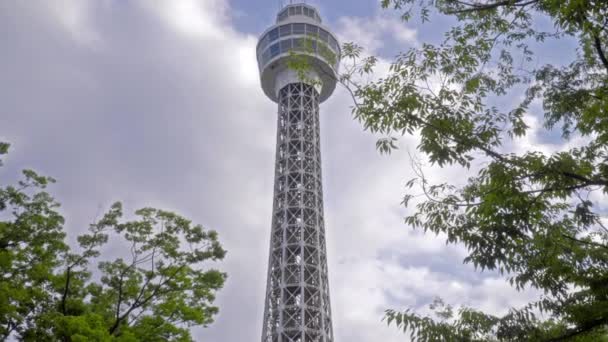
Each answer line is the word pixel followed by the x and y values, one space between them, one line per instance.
pixel 297 305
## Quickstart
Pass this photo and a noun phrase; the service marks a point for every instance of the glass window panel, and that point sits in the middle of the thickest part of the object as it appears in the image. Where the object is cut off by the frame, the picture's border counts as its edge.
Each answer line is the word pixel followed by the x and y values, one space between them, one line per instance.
pixel 331 56
pixel 292 11
pixel 275 50
pixel 299 10
pixel 285 30
pixel 306 11
pixel 273 35
pixel 322 50
pixel 283 15
pixel 324 35
pixel 326 53
pixel 314 45
pixel 298 44
pixel 312 30
pixel 334 43
pixel 266 56
pixel 285 45
pixel 298 28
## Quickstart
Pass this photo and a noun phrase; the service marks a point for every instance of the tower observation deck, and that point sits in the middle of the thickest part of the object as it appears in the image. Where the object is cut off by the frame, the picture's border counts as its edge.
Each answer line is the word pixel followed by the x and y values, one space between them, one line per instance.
pixel 297 305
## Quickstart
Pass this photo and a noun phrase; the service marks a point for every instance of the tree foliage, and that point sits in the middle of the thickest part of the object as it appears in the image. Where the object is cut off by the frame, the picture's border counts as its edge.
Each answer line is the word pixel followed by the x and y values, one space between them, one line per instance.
pixel 48 292
pixel 537 216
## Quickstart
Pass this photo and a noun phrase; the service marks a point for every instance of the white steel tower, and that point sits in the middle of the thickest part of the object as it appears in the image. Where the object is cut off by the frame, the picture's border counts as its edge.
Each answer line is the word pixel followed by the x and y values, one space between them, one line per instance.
pixel 297 306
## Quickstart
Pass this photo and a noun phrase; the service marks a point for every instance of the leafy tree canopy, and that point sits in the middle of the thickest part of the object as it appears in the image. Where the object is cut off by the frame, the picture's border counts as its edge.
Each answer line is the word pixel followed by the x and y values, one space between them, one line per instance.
pixel 49 292
pixel 538 217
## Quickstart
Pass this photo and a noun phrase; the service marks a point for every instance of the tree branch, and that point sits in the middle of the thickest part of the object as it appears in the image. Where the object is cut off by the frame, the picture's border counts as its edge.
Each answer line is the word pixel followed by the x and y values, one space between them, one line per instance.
pixel 10 326
pixel 473 7
pixel 66 290
pixel 590 243
pixel 600 51
pixel 119 301
pixel 553 189
pixel 137 303
pixel 583 329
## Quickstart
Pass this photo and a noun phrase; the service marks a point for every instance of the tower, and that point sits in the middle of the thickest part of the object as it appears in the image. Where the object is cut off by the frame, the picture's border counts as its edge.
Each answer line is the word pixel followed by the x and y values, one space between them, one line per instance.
pixel 297 305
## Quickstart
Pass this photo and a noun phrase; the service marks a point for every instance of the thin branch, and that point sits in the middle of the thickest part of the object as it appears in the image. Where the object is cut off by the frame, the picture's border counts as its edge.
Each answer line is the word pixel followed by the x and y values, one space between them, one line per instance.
pixel 10 327
pixel 599 222
pixel 590 243
pixel 140 303
pixel 420 173
pixel 600 51
pixel 121 282
pixel 473 7
pixel 553 189
pixel 578 331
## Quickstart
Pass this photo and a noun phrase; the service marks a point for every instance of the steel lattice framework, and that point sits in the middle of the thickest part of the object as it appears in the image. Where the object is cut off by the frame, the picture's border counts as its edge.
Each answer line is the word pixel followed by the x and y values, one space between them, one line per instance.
pixel 297 305
pixel 297 295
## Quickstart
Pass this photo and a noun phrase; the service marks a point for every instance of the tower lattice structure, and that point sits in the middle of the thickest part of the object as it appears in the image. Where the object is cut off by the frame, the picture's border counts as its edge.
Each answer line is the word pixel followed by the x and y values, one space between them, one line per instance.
pixel 297 305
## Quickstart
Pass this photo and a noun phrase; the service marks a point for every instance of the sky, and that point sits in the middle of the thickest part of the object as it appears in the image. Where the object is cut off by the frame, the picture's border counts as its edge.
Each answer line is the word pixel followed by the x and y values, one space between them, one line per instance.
pixel 158 103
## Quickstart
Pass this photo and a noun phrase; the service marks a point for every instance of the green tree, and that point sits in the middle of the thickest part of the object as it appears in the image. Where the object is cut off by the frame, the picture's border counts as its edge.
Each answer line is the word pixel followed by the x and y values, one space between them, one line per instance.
pixel 49 292
pixel 530 215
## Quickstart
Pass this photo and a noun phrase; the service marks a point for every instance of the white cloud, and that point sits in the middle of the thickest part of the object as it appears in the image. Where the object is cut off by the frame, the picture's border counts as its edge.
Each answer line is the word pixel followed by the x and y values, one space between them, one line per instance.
pixel 205 19
pixel 374 32
pixel 74 16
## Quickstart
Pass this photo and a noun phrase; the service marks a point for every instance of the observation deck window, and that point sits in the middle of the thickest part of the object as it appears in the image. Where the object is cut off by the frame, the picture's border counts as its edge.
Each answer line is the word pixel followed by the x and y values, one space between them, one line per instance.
pixel 314 45
pixel 274 50
pixel 263 42
pixel 298 10
pixel 298 44
pixel 285 45
pixel 266 56
pixel 283 15
pixel 285 30
pixel 333 43
pixel 326 53
pixel 322 49
pixel 288 30
pixel 273 35
pixel 324 35
pixel 282 38
pixel 299 28
pixel 312 30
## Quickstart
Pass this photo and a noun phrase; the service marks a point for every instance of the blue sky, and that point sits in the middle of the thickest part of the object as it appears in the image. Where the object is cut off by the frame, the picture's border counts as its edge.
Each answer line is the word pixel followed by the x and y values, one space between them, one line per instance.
pixel 158 103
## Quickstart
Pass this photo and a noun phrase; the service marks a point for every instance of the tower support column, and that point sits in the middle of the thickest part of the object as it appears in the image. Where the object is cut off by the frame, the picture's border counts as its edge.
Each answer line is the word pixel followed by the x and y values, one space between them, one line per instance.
pixel 297 307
